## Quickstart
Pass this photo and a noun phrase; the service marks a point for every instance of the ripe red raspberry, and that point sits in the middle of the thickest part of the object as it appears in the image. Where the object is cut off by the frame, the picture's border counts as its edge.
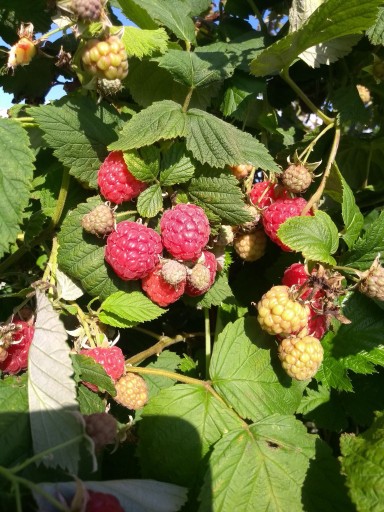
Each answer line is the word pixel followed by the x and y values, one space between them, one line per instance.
pixel 132 391
pixel 301 357
pixel 251 246
pixel 133 250
pixel 277 213
pixel 87 10
pixel 21 53
pixel 102 502
pixel 185 231
pixel 317 324
pixel 296 178
pixel 279 313
pixel 265 193
pixel 199 282
pixel 15 345
pixel 102 428
pixel 110 358
pixel 296 274
pixel 100 221
pixel 159 291
pixel 115 181
pixel 105 59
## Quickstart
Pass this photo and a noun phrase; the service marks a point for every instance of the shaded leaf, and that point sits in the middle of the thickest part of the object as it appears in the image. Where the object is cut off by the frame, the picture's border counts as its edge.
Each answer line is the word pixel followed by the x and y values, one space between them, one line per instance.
pixel 176 166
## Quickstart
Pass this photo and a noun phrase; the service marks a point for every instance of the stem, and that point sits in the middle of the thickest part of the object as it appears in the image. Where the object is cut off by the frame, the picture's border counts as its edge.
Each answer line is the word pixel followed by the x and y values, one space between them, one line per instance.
pixel 148 332
pixel 187 100
pixel 285 76
pixel 128 212
pixel 156 349
pixel 55 31
pixel 369 160
pixel 61 199
pixel 207 341
pixel 312 144
pixel 52 262
pixel 257 13
pixel 84 322
pixel 332 155
pixel 16 489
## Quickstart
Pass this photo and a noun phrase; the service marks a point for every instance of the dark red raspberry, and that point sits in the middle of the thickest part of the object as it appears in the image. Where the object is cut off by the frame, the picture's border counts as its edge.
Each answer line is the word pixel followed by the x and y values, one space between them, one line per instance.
pixel 159 291
pixel 87 10
pixel 265 193
pixel 201 283
pixel 102 428
pixel 133 250
pixel 102 502
pixel 115 181
pixel 17 348
pixel 110 358
pixel 185 231
pixel 277 213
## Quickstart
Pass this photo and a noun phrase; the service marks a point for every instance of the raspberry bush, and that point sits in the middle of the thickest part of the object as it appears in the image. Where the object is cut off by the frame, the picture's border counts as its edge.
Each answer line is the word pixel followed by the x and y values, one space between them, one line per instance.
pixel 191 256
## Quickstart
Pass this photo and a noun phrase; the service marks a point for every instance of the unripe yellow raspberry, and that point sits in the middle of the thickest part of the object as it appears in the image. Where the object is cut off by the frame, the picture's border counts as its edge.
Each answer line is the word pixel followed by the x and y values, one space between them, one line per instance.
pixel 131 391
pixel 250 246
pixel 301 357
pixel 21 53
pixel 106 59
pixel 279 313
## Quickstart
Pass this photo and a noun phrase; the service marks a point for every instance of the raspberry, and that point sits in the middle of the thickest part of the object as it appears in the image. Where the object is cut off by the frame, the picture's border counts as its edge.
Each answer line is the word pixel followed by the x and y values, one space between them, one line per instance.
pixel 317 324
pixel 110 358
pixel 251 246
pixel 173 272
pixel 277 213
pixel 241 171
pixel 106 59
pixel 185 231
pixel 102 502
pixel 225 236
pixel 100 221
pixel 278 313
pixel 102 428
pixel 21 53
pixel 87 10
pixel 132 391
pixel 108 87
pixel 296 178
pixel 296 274
pixel 158 290
pixel 199 281
pixel 265 193
pixel 301 357
pixel 249 226
pixel 116 183
pixel 372 282
pixel 133 250
pixel 15 346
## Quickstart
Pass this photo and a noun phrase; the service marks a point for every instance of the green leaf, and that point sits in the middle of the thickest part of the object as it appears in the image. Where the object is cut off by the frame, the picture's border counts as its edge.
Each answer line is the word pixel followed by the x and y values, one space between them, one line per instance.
pixel 14 420
pixel 332 372
pixel 367 247
pixel 316 237
pixel 167 360
pixel 78 130
pixel 143 166
pixel 246 372
pixel 16 175
pixel 219 291
pixel 313 399
pixel 178 427
pixel 81 255
pixel 150 202
pixel 362 461
pixel 331 20
pixel 347 102
pixel 262 468
pixel 195 69
pixel 376 32
pixel 211 140
pixel 222 196
pixel 162 120
pixel 52 390
pixel 123 309
pixel 176 166
pixel 140 43
pixel 88 370
pixel 137 14
pixel 89 402
pixel 339 190
pixel 241 88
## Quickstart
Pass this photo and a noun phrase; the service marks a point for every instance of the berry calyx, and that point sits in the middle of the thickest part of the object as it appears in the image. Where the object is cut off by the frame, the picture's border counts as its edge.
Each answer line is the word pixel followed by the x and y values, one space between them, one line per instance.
pixel 279 313
pixel 372 282
pixel 251 225
pixel 277 213
pixel 102 428
pixel 102 502
pixel 15 347
pixel 132 391
pixel 100 221
pixel 185 231
pixel 133 250
pixel 106 59
pixel 110 358
pixel 250 246
pixel 301 357
pixel 159 290
pixel 108 87
pixel 199 281
pixel 296 178
pixel 115 181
